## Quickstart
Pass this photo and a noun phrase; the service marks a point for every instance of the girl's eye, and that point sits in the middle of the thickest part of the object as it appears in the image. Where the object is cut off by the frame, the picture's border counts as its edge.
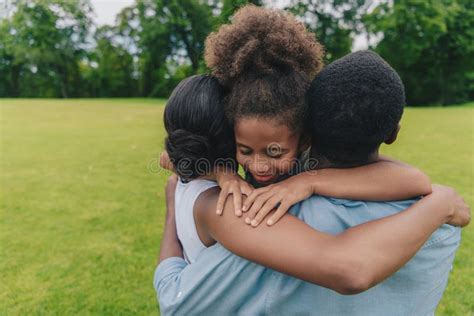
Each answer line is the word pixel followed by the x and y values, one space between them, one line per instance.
pixel 245 152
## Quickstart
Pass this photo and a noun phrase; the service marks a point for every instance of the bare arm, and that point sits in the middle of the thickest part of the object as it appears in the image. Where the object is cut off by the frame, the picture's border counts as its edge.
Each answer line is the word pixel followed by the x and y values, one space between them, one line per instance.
pixel 350 262
pixel 170 245
pixel 384 180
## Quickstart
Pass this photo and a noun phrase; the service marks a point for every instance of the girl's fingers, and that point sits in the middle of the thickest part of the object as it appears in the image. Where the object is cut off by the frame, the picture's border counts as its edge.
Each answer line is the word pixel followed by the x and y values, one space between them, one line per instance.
pixel 221 201
pixel 257 205
pixel 251 198
pixel 246 189
pixel 267 207
pixel 237 202
pixel 281 210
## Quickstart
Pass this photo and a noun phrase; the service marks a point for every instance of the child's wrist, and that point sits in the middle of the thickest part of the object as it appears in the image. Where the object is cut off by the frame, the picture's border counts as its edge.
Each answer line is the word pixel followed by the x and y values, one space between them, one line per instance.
pixel 218 173
pixel 311 181
pixel 221 172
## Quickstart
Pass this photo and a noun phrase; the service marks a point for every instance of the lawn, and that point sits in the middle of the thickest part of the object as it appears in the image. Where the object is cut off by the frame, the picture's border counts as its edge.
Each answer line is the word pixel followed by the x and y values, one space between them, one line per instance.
pixel 82 203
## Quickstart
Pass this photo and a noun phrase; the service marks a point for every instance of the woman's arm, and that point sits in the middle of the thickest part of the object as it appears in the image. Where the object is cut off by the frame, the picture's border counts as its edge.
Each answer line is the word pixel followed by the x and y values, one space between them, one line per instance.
pixel 170 245
pixel 349 263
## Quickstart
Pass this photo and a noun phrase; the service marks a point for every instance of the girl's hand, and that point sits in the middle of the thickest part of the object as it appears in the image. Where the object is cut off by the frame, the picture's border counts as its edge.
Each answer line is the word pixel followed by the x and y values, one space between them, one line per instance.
pixel 231 183
pixel 281 195
pixel 459 211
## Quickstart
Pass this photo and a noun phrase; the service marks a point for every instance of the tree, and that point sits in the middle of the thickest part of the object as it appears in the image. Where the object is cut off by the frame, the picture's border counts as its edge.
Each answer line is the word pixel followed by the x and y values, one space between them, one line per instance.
pixel 431 45
pixel 227 8
pixel 333 22
pixel 9 67
pixel 147 25
pixel 190 23
pixel 42 44
pixel 111 67
pixel 168 34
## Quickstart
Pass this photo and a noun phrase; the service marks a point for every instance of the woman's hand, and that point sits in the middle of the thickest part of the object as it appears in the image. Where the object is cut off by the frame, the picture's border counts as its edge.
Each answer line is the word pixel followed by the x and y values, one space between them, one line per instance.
pixel 459 211
pixel 231 183
pixel 281 195
pixel 165 161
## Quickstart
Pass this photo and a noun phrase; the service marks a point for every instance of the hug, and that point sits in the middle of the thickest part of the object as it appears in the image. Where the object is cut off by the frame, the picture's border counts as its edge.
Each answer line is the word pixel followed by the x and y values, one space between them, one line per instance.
pixel 319 213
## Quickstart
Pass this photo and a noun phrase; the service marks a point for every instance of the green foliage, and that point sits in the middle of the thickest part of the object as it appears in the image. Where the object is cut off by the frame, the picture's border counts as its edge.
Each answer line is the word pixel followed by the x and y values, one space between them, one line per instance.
pixel 191 21
pixel 147 25
pixel 431 44
pixel 333 22
pixel 110 67
pixel 40 47
pixel 166 33
pixel 230 6
pixel 50 48
pixel 82 214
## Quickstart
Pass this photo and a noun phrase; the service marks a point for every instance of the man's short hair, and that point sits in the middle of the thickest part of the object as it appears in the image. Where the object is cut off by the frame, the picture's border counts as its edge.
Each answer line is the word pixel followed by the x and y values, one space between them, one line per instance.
pixel 355 104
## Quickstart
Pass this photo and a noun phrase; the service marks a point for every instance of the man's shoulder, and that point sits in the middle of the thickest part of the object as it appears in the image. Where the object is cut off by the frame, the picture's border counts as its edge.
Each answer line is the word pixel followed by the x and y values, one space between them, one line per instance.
pixel 334 215
pixel 325 204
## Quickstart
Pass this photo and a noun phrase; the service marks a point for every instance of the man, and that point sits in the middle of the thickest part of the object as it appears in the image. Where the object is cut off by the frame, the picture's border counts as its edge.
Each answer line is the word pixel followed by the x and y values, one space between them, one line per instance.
pixel 356 103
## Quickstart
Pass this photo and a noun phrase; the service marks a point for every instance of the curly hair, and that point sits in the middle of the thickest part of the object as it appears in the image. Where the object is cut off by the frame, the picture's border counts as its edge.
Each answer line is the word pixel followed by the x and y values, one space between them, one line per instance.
pixel 267 58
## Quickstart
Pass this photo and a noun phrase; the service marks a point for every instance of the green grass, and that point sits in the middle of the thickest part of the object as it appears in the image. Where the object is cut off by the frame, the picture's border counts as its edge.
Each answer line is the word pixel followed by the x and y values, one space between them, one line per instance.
pixel 81 213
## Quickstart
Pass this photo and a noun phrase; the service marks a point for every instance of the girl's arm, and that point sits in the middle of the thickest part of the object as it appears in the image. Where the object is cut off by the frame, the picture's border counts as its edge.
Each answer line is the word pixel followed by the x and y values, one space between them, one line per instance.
pixel 384 180
pixel 350 262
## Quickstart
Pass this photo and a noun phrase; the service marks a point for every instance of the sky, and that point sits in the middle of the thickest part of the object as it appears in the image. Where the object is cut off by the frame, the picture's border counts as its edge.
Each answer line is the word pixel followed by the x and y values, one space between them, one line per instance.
pixel 106 10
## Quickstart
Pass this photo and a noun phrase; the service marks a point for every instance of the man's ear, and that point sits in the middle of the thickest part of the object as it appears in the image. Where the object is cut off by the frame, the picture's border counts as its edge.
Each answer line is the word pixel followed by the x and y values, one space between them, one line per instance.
pixel 305 143
pixel 393 136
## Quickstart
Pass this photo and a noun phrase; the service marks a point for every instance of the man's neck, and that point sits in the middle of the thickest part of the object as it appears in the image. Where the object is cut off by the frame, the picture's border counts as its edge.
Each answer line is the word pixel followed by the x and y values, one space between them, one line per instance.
pixel 323 162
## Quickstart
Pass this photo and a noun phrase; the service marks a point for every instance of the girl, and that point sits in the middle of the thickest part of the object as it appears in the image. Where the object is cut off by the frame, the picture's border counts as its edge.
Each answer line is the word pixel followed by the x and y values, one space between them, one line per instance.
pixel 267 59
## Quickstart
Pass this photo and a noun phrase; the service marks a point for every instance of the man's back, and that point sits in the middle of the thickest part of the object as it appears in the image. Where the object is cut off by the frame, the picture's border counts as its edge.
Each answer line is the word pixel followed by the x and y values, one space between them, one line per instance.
pixel 220 282
pixel 415 289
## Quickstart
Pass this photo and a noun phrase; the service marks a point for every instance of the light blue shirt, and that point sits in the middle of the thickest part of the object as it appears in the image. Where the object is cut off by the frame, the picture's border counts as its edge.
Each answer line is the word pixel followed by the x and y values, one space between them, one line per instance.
pixel 221 283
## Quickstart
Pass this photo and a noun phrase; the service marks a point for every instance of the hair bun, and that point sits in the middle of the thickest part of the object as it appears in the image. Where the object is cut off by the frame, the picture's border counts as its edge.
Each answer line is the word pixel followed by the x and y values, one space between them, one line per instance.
pixel 188 151
pixel 184 144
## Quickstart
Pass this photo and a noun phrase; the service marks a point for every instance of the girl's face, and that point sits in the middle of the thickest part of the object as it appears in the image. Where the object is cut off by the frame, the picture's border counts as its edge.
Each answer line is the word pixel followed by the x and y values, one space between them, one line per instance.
pixel 266 148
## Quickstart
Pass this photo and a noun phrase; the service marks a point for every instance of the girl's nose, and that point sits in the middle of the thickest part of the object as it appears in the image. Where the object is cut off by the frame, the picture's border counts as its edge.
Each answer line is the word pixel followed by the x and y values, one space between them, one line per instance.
pixel 261 165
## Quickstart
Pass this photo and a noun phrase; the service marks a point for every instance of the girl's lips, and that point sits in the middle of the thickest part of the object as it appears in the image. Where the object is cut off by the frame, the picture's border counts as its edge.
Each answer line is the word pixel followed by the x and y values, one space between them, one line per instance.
pixel 263 179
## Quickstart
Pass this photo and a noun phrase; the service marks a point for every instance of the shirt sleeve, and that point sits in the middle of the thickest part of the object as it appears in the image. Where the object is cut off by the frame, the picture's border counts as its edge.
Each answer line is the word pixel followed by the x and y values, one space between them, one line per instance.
pixel 217 283
pixel 166 282
pixel 167 271
pixel 431 268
